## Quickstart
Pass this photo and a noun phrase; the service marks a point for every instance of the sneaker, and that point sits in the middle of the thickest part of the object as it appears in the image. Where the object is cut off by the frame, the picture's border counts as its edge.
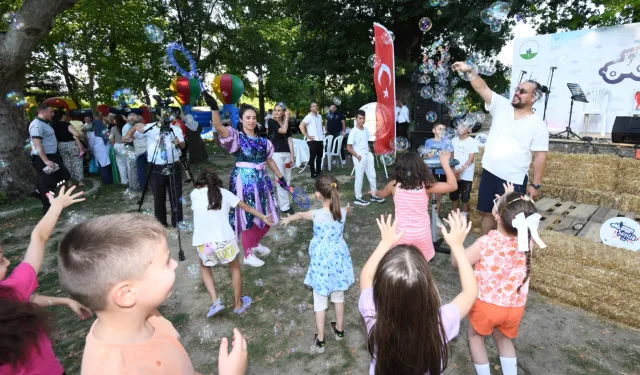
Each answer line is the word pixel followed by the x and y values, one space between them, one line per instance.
pixel 246 302
pixel 215 308
pixel 339 334
pixel 344 162
pixel 319 344
pixel 377 199
pixel 262 249
pixel 361 202
pixel 252 261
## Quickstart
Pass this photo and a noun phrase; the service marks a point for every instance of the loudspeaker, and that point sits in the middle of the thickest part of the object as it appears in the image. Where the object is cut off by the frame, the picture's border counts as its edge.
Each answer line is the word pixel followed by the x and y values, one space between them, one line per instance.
pixel 626 130
pixel 424 106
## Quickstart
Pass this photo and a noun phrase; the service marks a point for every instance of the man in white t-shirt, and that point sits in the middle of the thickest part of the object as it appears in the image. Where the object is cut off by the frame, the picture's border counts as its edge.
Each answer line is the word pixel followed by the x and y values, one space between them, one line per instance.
pixel 515 133
pixel 402 119
pixel 311 127
pixel 464 149
pixel 358 146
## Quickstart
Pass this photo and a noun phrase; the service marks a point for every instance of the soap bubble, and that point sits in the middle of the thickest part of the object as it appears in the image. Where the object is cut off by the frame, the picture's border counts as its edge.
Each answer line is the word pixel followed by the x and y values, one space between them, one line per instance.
pixel 13 20
pixel 259 282
pixel 460 93
pixel 193 271
pixel 3 164
pixel 147 212
pixel 449 133
pixel 76 218
pixel 432 116
pixel 291 231
pixel 296 270
pixel 61 49
pixel 426 92
pixel 425 24
pixel 507 74
pixel 400 143
pixel 15 99
pixel 302 307
pixel 154 33
pixel 185 226
pixel 374 61
pixel 422 150
pixel 388 38
pixel 487 16
pixel 388 159
pixel 424 79
pixel 500 9
pixel 434 3
pixel 455 81
pixel 205 334
pixel 444 3
pixel 336 100
pixel 281 258
pixel 486 69
pixel 495 26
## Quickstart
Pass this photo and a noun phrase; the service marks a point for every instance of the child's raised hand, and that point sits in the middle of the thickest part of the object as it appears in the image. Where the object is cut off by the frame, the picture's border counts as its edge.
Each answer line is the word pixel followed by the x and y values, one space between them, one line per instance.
pixel 458 229
pixel 388 231
pixel 508 188
pixel 234 363
pixel 286 220
pixel 65 197
pixel 444 157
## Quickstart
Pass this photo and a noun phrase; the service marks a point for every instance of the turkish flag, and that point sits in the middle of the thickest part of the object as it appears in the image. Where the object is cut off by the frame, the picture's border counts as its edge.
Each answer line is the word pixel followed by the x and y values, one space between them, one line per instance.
pixel 384 78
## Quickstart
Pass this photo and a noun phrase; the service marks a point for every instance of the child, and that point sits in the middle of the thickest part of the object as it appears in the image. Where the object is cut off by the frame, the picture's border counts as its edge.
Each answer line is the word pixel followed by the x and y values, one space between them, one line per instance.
pixel 121 267
pixel 433 146
pixel 214 239
pixel 24 345
pixel 330 269
pixel 358 146
pixel 408 330
pixel 502 265
pixel 249 179
pixel 410 187
pixel 465 149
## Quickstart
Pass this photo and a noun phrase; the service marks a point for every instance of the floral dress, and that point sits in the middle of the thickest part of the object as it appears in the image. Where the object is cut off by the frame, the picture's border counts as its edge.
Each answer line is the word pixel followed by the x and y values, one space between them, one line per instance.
pixel 330 268
pixel 249 179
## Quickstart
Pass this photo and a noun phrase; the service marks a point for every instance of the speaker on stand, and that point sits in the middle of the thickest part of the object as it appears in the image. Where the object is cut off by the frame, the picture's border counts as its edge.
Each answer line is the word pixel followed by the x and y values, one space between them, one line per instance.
pixel 423 129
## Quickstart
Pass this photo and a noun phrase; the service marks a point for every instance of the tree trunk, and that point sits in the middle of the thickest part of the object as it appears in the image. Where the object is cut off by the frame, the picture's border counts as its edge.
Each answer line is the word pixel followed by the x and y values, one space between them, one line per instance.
pixel 261 95
pixel 93 103
pixel 16 45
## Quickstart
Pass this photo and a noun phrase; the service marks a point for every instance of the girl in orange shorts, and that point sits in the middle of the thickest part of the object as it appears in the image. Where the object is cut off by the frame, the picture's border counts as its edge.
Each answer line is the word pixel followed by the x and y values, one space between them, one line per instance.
pixel 502 262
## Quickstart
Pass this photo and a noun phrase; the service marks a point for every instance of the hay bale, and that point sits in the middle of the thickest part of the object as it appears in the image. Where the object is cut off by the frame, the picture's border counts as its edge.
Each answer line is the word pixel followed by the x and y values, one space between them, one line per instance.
pixel 588 253
pixel 628 178
pixel 567 296
pixel 619 201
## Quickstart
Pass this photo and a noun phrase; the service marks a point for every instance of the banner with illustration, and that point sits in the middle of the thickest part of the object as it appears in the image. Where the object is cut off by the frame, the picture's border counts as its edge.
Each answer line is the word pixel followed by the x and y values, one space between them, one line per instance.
pixel 605 59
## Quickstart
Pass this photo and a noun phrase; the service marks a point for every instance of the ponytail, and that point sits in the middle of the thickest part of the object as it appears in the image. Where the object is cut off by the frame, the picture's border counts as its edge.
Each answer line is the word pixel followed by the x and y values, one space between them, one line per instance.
pixel 327 186
pixel 334 206
pixel 209 179
pixel 528 255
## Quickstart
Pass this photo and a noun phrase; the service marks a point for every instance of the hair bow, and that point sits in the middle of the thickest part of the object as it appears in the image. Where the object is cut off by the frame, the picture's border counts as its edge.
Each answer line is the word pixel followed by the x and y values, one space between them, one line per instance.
pixel 523 225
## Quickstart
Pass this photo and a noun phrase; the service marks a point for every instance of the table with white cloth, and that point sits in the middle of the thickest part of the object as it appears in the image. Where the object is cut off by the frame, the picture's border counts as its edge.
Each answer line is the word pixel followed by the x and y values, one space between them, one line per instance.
pixel 301 152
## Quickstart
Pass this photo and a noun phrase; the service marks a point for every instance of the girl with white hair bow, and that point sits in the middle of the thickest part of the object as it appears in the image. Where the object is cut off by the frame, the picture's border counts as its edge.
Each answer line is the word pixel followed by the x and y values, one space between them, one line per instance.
pixel 502 260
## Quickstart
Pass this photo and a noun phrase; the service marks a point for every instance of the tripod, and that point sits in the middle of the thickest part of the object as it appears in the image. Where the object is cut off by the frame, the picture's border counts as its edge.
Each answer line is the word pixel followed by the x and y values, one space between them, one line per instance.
pixel 546 94
pixel 576 95
pixel 171 171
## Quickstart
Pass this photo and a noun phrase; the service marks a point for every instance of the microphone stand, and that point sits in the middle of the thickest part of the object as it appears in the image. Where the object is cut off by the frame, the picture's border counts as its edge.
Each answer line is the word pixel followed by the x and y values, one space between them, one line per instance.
pixel 546 95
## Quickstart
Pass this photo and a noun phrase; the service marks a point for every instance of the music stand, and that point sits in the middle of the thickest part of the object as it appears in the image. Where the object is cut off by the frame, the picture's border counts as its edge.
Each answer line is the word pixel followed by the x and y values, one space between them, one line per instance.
pixel 576 95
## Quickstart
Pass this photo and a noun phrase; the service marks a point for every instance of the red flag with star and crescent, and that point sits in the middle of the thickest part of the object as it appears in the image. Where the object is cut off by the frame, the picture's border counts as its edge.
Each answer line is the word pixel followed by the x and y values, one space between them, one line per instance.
pixel 384 78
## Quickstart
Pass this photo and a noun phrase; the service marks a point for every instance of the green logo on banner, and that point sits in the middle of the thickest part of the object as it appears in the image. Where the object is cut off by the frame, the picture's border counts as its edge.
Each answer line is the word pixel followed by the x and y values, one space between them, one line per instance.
pixel 529 50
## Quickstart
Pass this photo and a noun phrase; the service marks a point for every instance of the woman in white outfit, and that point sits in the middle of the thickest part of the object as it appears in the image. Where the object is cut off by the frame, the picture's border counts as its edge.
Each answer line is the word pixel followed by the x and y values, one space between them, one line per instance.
pixel 280 136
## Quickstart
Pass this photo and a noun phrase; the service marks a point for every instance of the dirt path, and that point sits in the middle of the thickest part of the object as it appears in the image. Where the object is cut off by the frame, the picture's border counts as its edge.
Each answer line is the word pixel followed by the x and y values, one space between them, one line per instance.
pixel 553 339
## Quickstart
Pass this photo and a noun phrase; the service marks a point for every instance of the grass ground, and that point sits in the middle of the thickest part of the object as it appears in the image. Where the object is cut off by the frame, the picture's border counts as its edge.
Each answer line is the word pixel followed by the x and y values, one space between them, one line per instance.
pixel 279 327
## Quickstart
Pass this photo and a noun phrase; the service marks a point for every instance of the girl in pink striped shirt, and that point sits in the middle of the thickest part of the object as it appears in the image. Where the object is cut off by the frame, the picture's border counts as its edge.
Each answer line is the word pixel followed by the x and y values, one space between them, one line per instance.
pixel 410 186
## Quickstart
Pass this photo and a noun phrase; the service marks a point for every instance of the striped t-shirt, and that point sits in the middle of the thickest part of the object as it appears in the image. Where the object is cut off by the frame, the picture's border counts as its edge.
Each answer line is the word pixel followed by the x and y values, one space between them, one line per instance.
pixel 412 216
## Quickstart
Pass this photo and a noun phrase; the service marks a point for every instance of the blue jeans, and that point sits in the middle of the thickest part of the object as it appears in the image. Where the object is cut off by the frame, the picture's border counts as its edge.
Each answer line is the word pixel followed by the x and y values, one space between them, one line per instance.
pixel 142 164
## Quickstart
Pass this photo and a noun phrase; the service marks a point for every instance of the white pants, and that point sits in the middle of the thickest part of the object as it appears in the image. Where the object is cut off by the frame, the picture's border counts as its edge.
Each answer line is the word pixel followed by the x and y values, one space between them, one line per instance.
pixel 281 158
pixel 320 302
pixel 127 168
pixel 365 166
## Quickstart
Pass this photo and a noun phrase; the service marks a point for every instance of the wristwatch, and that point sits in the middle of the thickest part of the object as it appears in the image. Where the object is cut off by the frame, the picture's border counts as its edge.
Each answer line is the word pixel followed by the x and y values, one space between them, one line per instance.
pixel 537 187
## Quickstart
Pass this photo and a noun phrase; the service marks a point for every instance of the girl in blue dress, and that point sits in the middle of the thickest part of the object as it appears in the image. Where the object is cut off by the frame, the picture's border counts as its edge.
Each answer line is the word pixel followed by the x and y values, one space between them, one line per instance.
pixel 330 270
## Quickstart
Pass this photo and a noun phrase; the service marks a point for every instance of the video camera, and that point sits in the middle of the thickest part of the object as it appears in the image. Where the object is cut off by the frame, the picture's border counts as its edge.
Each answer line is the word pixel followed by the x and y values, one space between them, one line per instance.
pixel 163 111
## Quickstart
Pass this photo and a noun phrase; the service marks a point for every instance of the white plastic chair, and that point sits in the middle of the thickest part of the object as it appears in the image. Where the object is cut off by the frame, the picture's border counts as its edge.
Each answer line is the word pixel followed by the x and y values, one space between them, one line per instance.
pixel 326 145
pixel 598 102
pixel 335 150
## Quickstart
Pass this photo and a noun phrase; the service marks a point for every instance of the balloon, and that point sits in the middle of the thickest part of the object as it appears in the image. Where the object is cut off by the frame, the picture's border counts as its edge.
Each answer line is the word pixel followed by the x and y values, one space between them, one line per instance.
pixel 228 88
pixel 186 90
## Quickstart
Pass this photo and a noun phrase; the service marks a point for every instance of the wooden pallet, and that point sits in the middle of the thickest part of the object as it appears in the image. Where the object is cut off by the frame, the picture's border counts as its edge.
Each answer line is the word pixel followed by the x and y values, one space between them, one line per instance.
pixel 577 219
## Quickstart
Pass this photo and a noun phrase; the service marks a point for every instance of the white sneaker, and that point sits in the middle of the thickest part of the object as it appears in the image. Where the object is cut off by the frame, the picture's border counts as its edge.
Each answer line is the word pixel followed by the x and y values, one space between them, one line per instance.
pixel 262 249
pixel 252 261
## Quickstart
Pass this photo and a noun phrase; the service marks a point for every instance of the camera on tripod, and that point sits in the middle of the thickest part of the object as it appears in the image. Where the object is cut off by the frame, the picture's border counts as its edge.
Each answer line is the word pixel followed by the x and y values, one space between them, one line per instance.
pixel 163 111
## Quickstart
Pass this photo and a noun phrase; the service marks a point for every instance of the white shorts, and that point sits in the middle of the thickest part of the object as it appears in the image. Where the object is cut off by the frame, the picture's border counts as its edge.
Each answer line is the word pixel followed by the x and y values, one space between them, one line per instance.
pixel 320 302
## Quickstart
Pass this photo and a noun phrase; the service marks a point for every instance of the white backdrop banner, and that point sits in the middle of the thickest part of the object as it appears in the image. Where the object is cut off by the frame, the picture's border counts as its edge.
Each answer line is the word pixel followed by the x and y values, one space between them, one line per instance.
pixel 605 59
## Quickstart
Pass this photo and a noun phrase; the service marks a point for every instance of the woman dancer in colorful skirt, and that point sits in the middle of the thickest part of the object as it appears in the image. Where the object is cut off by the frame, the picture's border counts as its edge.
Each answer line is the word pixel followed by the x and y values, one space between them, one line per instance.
pixel 249 179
